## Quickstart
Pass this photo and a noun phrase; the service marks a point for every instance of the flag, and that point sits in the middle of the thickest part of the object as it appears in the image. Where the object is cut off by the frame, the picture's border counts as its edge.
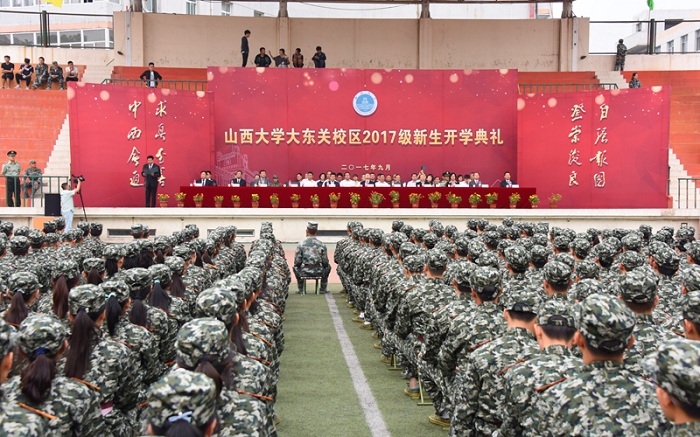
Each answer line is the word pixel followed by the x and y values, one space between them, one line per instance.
pixel 650 3
pixel 59 3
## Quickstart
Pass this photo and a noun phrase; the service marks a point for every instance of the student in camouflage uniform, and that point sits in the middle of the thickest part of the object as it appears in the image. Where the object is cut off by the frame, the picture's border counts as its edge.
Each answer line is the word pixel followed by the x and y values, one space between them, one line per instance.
pixel 597 399
pixel 311 259
pixel 69 407
pixel 677 375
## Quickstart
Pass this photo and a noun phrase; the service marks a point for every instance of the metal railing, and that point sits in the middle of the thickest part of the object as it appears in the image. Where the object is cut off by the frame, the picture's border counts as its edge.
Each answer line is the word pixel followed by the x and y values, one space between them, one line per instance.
pixel 72 30
pixel 690 200
pixel 183 85
pixel 534 88
pixel 41 185
pixel 645 37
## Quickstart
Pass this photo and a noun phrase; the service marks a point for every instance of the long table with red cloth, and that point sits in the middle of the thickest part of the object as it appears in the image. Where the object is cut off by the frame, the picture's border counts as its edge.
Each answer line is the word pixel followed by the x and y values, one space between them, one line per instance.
pixel 305 194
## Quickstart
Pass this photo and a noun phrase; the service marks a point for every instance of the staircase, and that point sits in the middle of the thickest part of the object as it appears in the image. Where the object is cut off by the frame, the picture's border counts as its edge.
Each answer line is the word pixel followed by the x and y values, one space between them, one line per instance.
pixel 96 73
pixel 687 195
pixel 615 77
pixel 59 160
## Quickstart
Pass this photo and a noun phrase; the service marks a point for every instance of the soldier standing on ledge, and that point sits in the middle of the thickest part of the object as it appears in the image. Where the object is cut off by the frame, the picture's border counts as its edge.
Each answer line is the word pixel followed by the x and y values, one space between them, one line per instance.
pixel 620 56
pixel 311 259
pixel 11 170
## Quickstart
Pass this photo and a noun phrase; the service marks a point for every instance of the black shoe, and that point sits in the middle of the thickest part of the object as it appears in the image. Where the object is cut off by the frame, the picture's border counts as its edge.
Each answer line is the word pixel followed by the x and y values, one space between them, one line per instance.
pixel 323 292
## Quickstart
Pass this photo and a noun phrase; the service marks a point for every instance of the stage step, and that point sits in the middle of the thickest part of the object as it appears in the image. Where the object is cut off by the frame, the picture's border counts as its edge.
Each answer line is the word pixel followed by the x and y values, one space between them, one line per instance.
pixel 59 161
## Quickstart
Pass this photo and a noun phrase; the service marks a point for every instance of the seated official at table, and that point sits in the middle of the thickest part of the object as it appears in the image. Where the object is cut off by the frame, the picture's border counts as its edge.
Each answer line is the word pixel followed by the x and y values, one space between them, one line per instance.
pixel 210 181
pixel 475 182
pixel 203 180
pixel 262 180
pixel 309 181
pixel 507 182
pixel 238 181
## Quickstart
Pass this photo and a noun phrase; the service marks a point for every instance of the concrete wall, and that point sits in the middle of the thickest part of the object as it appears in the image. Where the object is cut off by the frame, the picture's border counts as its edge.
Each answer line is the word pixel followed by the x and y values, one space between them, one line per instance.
pixel 689 61
pixel 200 41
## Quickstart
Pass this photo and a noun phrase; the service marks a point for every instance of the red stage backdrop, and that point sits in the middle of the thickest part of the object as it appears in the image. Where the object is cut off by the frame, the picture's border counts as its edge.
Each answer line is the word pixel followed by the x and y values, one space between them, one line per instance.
pixel 114 129
pixel 295 120
pixel 604 149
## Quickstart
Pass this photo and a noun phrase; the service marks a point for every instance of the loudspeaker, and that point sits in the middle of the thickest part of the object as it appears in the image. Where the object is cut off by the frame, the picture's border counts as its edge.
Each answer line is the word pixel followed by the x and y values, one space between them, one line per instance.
pixel 52 205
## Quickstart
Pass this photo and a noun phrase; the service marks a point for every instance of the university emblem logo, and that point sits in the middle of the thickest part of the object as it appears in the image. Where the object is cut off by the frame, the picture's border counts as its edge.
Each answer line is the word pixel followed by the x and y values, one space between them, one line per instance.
pixel 365 103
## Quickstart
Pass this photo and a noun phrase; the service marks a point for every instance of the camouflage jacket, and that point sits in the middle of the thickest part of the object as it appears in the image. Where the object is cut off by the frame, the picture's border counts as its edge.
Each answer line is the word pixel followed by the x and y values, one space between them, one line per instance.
pixel 240 415
pixel 411 315
pixel 311 257
pixel 669 294
pixel 647 337
pixel 480 396
pixel 196 278
pixel 75 406
pixel 18 421
pixel 239 255
pixel 249 375
pixel 466 332
pixel 601 398
pixel 523 382
pixel 689 429
pixel 94 245
pixel 142 343
pixel 440 324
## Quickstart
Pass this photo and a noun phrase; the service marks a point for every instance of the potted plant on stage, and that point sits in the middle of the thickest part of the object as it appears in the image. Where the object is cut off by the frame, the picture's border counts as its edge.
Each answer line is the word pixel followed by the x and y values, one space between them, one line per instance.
pixel 354 200
pixel 180 197
pixel 315 200
pixel 553 200
pixel 414 198
pixel 534 201
pixel 198 199
pixel 513 199
pixel 491 199
pixel 295 200
pixel 275 200
pixel 454 200
pixel 218 201
pixel 394 197
pixel 376 199
pixel 163 199
pixel 434 197
pixel 254 200
pixel 236 199
pixel 333 197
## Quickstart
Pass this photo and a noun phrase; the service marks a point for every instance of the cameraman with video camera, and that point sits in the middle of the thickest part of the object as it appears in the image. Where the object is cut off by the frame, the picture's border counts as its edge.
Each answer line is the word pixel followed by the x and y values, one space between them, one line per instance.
pixel 67 199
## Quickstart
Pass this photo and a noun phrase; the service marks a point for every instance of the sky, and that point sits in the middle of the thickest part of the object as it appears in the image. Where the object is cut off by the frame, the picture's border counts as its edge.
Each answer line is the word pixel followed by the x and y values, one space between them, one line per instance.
pixel 622 9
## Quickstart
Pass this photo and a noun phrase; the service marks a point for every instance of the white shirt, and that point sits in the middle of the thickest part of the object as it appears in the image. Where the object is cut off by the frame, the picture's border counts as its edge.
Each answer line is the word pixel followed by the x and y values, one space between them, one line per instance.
pixel 347 183
pixel 308 183
pixel 67 200
pixel 381 184
pixel 411 183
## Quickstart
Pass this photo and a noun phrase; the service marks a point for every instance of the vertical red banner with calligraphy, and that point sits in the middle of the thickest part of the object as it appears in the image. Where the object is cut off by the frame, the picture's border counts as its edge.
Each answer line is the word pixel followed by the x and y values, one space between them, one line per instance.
pixel 114 129
pixel 606 149
pixel 384 121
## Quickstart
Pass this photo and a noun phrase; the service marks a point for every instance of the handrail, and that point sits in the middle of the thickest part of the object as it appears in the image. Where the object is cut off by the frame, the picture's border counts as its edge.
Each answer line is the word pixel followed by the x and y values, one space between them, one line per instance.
pixel 42 185
pixel 688 188
pixel 183 85
pixel 534 88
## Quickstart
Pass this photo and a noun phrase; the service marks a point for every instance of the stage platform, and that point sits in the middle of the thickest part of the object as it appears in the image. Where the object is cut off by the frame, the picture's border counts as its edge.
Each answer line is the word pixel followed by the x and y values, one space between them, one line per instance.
pixel 289 223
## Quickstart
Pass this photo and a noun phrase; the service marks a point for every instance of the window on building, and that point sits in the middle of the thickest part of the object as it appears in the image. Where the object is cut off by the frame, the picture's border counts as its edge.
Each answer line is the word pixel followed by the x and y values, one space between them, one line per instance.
pixel 226 9
pixel 191 7
pixel 669 47
pixel 684 44
pixel 657 49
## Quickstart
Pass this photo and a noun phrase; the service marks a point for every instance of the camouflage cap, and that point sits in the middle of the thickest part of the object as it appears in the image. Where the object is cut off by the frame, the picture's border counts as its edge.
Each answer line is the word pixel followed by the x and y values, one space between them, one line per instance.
pixel 199 337
pixel 182 395
pixel 565 258
pixel 437 228
pixel 557 273
pixel 375 236
pixel 145 245
pixel 637 286
pixel 476 248
pixel 491 238
pixel 138 278
pixel 396 225
pixel 462 246
pixel 631 260
pixel 184 251
pixel 605 252
pixel 132 249
pixel 693 249
pixel 175 264
pixel 561 242
pixel 691 277
pixel 483 277
pixel 136 229
pixel 96 227
pixel 219 303
pixel 555 312
pixel 677 371
pixel 8 338
pixel 462 274
pixel 66 267
pixel 539 254
pixel 430 240
pixel 451 231
pixel 162 243
pixel 160 273
pixel 414 263
pixel 436 260
pixel 113 251
pixel 517 256
pixel 605 322
pixel 21 231
pixel 88 297
pixel 41 333
pixel 60 222
pixel 24 282
pixel 115 288
pixel 587 269
pixel 585 287
pixel 690 304
pixel 19 243
pixel 93 263
pixel 36 237
pixel 632 241
pixel 667 258
pixel 50 238
pixel 523 299
pixel 49 227
pixel 472 224
pixel 540 239
pixel 504 244
pixel 488 259
pixel 84 227
pixel 6 227
pixel 581 247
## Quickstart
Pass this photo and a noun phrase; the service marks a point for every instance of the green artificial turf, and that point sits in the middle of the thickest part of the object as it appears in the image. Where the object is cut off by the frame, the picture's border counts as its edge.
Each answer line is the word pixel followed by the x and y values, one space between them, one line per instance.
pixel 316 396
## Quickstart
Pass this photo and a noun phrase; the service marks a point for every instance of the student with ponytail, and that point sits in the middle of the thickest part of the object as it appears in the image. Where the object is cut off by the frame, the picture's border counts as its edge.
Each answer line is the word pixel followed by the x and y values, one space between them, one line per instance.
pixel 177 287
pixel 182 404
pixel 105 366
pixel 23 289
pixel 67 406
pixel 114 259
pixel 137 338
pixel 163 247
pixel 65 276
pixel 94 270
pixel 203 347
pixel 160 297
